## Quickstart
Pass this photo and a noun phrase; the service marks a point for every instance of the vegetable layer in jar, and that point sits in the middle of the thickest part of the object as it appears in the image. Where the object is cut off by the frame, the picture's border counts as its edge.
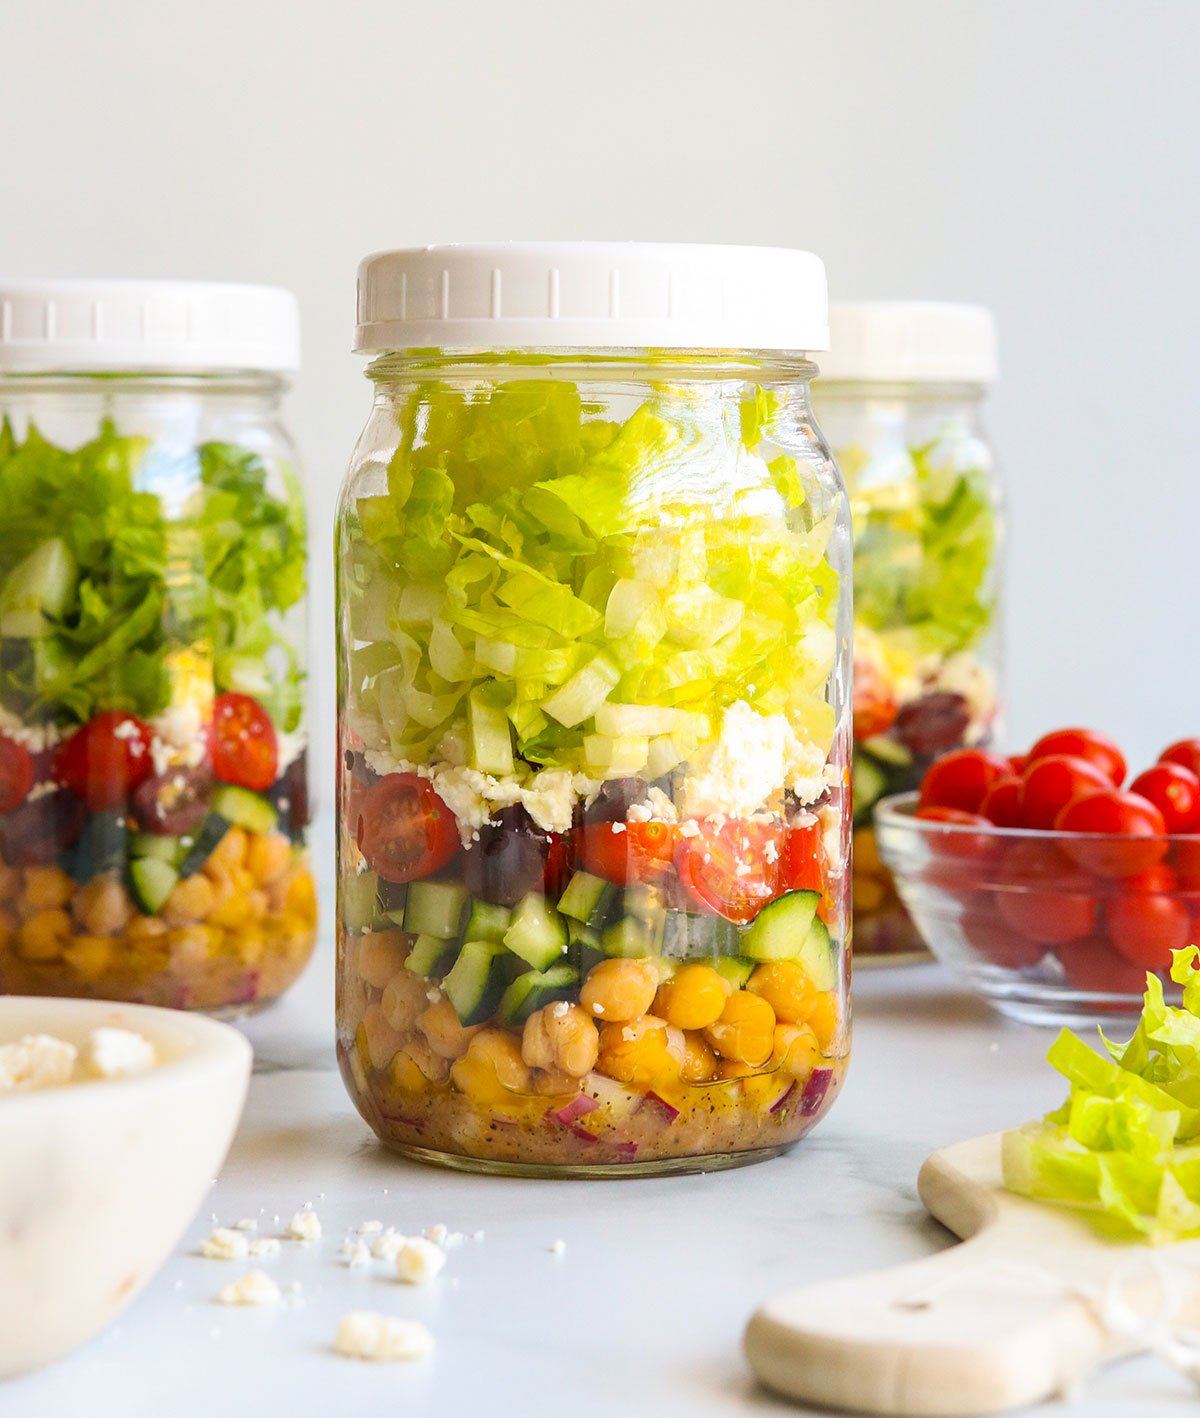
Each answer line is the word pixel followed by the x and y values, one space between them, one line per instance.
pixel 153 785
pixel 593 792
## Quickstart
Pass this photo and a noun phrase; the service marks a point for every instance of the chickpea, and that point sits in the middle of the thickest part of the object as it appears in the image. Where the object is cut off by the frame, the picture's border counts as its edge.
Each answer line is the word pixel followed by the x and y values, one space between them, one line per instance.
pixel 103 907
pixel 734 1068
pixel 825 1020
pixel 645 1051
pixel 406 1075
pixel 190 901
pixel 268 857
pixel 229 854
pixel 745 1032
pixel 491 1067
pixel 435 1068
pixel 554 1083
pixel 299 895
pixel 90 956
pixel 145 928
pixel 619 990
pixel 257 904
pixel 44 936
pixel 405 999
pixel 229 907
pixel 383 1042
pixel 795 1049
pixel 699 1061
pixel 561 1037
pixel 189 946
pixel 378 956
pixel 444 1032
pixel 693 998
pixel 46 889
pixel 786 988
pixel 248 944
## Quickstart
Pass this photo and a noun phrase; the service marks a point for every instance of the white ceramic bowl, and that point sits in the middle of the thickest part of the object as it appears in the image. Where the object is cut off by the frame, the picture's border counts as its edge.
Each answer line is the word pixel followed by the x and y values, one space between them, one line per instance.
pixel 98 1181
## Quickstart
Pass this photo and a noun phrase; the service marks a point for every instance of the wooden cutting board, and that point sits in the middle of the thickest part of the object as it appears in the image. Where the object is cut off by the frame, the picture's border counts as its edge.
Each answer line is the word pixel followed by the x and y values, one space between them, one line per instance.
pixel 982 1327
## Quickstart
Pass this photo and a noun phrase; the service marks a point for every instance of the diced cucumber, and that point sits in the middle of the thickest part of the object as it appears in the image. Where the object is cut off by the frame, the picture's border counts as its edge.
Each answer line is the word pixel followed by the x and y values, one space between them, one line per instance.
pixel 818 956
pixel 629 938
pixel 103 845
pixel 435 908
pixel 734 968
pixel 779 930
pixel 644 903
pixel 427 955
pixel 886 750
pixel 476 980
pixel 214 828
pixel 490 736
pixel 700 936
pixel 868 784
pixel 244 808
pixel 588 899
pixel 535 989
pixel 41 586
pixel 588 688
pixel 537 933
pixel 152 881
pixel 361 910
pixel 151 844
pixel 583 947
pixel 487 922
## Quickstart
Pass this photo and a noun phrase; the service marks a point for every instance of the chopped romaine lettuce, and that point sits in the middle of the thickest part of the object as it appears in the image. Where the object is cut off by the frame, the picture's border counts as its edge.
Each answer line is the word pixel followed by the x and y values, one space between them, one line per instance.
pixel 1125 1146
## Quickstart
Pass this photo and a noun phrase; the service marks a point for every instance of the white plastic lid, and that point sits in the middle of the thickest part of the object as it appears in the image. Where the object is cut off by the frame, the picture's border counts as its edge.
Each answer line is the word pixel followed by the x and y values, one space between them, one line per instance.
pixel 167 326
pixel 910 341
pixel 592 294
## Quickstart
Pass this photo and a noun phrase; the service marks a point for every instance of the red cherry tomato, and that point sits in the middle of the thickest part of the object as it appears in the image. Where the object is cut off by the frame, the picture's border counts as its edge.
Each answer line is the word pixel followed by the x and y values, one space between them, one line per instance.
pixel 1174 791
pixel 103 762
pixel 405 831
pixel 1043 895
pixel 1049 784
pixel 989 934
pixel 961 779
pixel 1083 743
pixel 1186 753
pixel 1187 865
pixel 16 774
pixel 1132 825
pixel 1159 877
pixel 628 852
pixel 874 703
pixel 1146 927
pixel 733 870
pixel 1018 762
pixel 1093 965
pixel 1002 803
pixel 245 750
pixel 804 858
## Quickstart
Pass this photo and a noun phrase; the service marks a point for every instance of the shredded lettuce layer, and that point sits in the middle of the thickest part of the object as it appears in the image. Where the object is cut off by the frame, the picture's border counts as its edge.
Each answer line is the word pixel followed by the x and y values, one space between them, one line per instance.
pixel 115 555
pixel 1125 1146
pixel 531 567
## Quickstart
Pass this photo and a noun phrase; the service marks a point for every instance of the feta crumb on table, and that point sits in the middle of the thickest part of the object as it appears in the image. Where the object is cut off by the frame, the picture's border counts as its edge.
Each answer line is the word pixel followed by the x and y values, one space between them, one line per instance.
pixel 254 1288
pixel 225 1244
pixel 304 1227
pixel 356 1253
pixel 387 1244
pixel 418 1261
pixel 265 1246
pixel 365 1334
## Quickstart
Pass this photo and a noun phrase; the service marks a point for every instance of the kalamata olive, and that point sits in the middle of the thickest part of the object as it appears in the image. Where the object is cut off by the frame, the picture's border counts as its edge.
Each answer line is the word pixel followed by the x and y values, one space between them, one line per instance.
pixel 36 833
pixel 932 724
pixel 615 798
pixel 290 793
pixel 173 803
pixel 509 859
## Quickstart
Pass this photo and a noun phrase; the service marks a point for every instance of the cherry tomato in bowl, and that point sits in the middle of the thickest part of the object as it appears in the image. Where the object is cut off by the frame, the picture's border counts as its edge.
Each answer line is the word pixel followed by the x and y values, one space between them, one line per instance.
pixel 104 761
pixel 1049 784
pixel 733 870
pixel 961 779
pixel 1091 964
pixel 1186 753
pixel 16 773
pixel 1128 832
pixel 404 829
pixel 1087 744
pixel 1002 804
pixel 245 750
pixel 1174 791
pixel 1146 927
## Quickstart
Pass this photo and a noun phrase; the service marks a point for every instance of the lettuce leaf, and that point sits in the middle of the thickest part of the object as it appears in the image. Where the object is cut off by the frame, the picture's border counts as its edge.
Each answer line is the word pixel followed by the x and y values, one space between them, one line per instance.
pixel 1122 1145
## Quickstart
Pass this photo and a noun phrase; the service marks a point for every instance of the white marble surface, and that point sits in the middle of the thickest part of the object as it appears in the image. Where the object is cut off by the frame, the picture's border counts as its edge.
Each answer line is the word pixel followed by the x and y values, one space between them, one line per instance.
pixel 643 1312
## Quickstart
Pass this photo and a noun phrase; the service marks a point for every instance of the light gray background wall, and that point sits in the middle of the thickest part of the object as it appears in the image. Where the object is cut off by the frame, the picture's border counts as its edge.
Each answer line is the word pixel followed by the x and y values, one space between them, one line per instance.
pixel 1036 155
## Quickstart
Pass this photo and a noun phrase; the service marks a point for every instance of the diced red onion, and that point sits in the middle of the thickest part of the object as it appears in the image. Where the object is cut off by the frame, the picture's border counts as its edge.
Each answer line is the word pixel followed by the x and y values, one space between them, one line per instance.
pixel 783 1097
pixel 402 1120
pixel 578 1107
pixel 661 1106
pixel 815 1090
pixel 627 1150
pixel 582 1134
pixel 247 992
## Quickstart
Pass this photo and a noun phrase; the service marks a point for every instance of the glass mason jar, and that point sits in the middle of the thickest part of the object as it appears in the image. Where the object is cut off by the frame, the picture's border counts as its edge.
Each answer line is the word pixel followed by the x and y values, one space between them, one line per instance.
pixel 899 398
pixel 593 683
pixel 153 785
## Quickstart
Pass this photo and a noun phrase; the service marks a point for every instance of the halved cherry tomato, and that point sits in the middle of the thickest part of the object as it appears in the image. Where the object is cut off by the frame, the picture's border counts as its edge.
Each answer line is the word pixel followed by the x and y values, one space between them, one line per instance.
pixel 405 831
pixel 804 858
pixel 1146 927
pixel 875 705
pixel 16 774
pixel 1131 827
pixel 103 762
pixel 245 749
pixel 1174 791
pixel 961 779
pixel 1083 743
pixel 1186 753
pixel 628 852
pixel 1002 805
pixel 733 870
pixel 1049 784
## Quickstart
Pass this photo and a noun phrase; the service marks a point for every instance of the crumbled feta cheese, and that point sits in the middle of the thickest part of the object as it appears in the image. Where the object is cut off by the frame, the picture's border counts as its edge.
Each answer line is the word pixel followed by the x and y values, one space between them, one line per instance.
pixel 832 822
pixel 117 1053
pixel 356 1253
pixel 742 769
pixel 36 1061
pixel 45 789
pixel 254 1288
pixel 558 1248
pixel 689 828
pixel 437 1234
pixel 247 1223
pixel 387 1244
pixel 265 1246
pixel 364 1334
pixel 369 1228
pixel 418 1261
pixel 35 737
pixel 617 828
pixel 290 747
pixel 304 1227
pixel 225 1244
pixel 550 799
pixel 661 806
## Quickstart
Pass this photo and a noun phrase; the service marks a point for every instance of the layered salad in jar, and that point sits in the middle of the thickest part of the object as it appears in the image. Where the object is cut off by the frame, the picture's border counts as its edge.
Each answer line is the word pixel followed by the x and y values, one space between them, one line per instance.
pixel 153 784
pixel 594 799
pixel 925 551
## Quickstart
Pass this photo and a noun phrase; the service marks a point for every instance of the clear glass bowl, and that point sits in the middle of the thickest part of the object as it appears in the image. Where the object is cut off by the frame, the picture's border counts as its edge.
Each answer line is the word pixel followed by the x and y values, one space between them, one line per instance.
pixel 1048 927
